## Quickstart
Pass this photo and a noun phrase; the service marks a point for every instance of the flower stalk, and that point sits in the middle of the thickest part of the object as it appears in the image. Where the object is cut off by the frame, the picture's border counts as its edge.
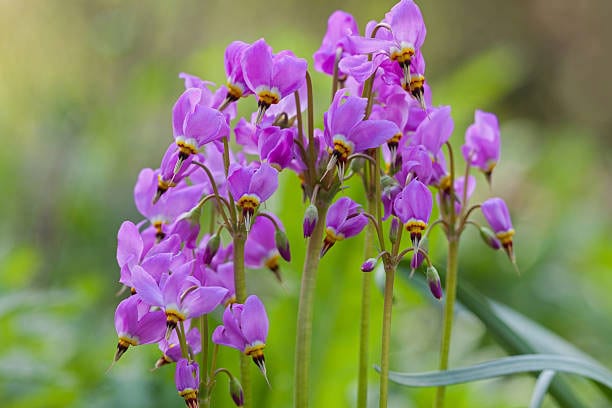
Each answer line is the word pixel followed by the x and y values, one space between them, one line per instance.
pixel 305 309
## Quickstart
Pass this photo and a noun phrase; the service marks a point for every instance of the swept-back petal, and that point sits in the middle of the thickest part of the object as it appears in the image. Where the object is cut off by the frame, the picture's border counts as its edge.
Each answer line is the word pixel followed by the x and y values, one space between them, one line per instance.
pixel 254 320
pixel 129 243
pixel 257 64
pixel 146 287
pixel 372 133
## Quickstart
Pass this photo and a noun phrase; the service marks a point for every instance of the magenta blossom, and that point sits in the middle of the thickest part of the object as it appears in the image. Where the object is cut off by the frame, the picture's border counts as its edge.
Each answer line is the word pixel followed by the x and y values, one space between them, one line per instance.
pixel 245 328
pixel 335 45
pixel 344 220
pixel 171 348
pixel 497 215
pixel 187 379
pixel 196 124
pixel 260 248
pixel 250 186
pixel 236 84
pixel 482 142
pixel 179 294
pixel 435 130
pixel 347 133
pixel 133 329
pixel 413 207
pixel 271 77
pixel 131 251
pixel 275 145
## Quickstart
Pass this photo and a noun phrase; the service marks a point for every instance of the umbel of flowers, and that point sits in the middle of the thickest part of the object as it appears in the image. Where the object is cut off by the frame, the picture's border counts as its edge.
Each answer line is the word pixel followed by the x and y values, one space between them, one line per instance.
pixel 203 218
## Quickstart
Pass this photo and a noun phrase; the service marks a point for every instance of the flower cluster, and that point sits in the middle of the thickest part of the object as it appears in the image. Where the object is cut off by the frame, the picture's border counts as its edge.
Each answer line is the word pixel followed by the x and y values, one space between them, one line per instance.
pixel 380 126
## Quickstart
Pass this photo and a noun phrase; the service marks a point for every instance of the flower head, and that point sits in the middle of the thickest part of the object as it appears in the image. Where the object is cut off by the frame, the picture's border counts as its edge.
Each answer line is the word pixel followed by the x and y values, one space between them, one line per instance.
pixel 245 327
pixel 497 215
pixel 271 77
pixel 413 207
pixel 335 45
pixel 344 220
pixel 482 142
pixel 187 379
pixel 250 186
pixel 134 329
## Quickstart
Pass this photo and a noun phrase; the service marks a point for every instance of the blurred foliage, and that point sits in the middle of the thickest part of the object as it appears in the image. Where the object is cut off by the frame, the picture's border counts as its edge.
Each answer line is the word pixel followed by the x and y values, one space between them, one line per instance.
pixel 86 89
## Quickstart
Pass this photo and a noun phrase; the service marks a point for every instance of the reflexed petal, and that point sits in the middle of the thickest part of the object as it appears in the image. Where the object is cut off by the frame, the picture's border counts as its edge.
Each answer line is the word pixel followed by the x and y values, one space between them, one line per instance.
pixel 257 65
pixel 151 327
pixel 129 243
pixel 205 125
pixel 144 191
pixel 372 133
pixel 228 338
pixel 126 316
pixel 183 106
pixel 338 212
pixel 146 287
pixel 187 375
pixel 157 264
pixel 254 320
pixel 288 74
pixel 353 225
pixel 203 300
pixel 239 179
pixel 264 182
pixel 420 200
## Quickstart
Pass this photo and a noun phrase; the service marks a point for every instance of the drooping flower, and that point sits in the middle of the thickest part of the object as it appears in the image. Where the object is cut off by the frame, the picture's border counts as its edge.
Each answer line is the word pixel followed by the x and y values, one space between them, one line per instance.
pixel 271 77
pixel 347 133
pixel 344 220
pixel 413 207
pixel 497 215
pixel 434 130
pixel 172 170
pixel 433 280
pixel 171 348
pixel 179 294
pixel 134 330
pixel 250 186
pixel 187 379
pixel 482 142
pixel 195 124
pixel 245 328
pixel 260 247
pixel 236 84
pixel 275 145
pixel 340 25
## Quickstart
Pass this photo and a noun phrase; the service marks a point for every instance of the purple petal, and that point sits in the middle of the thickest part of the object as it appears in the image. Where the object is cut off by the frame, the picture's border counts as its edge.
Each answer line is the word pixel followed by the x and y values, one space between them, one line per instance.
pixel 183 106
pixel 144 191
pixel 257 65
pixel 497 214
pixel 254 320
pixel 146 287
pixel 151 327
pixel 338 212
pixel 239 179
pixel 264 182
pixel 203 300
pixel 126 316
pixel 187 375
pixel 129 243
pixel 372 133
pixel 288 74
pixel 353 225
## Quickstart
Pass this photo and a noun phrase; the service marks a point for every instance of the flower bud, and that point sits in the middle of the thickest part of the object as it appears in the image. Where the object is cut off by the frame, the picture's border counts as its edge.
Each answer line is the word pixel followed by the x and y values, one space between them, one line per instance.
pixel 489 238
pixel 236 391
pixel 433 279
pixel 310 219
pixel 282 244
pixel 368 265
pixel 212 246
pixel 394 230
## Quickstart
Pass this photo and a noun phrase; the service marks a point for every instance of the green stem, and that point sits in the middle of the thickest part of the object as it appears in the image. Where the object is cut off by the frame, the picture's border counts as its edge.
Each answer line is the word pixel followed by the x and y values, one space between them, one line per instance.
pixel 451 290
pixel 204 383
pixel 305 306
pixel 240 284
pixel 386 331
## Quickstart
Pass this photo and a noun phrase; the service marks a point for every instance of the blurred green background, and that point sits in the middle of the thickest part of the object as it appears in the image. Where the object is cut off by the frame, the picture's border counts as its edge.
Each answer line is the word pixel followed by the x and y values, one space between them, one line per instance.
pixel 86 91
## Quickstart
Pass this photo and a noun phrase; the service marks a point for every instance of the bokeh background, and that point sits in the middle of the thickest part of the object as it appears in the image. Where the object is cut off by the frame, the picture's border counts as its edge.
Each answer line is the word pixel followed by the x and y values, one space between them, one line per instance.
pixel 86 91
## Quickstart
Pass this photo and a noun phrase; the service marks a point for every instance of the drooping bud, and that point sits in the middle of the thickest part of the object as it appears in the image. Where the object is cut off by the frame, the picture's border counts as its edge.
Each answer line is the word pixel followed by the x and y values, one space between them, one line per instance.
pixel 497 215
pixel 282 244
pixel 394 230
pixel 489 238
pixel 236 392
pixel 433 279
pixel 368 265
pixel 310 219
pixel 212 246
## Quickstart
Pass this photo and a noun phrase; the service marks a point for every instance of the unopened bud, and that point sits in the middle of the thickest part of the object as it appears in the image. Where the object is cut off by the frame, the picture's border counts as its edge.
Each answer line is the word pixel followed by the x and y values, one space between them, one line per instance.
pixel 236 391
pixel 433 279
pixel 387 182
pixel 282 244
pixel 368 265
pixel 357 166
pixel 212 246
pixel 489 238
pixel 394 230
pixel 310 220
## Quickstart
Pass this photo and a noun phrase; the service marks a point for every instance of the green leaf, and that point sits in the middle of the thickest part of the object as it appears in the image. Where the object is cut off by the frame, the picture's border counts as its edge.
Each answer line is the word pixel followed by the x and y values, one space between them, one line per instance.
pixel 516 333
pixel 541 388
pixel 506 366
